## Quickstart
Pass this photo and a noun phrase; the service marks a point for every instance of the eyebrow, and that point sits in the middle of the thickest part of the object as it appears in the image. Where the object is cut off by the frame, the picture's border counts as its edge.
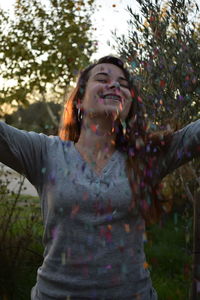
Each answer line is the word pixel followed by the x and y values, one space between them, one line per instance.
pixel 106 74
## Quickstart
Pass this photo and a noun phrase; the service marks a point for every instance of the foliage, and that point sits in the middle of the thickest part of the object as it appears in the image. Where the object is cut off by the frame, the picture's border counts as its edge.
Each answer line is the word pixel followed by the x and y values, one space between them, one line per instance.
pixel 44 47
pixel 178 185
pixel 163 53
pixel 35 118
pixel 20 224
pixel 169 255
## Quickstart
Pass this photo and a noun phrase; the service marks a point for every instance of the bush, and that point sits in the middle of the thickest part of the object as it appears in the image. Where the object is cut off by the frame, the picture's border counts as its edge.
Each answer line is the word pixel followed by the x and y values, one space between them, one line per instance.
pixel 169 255
pixel 20 240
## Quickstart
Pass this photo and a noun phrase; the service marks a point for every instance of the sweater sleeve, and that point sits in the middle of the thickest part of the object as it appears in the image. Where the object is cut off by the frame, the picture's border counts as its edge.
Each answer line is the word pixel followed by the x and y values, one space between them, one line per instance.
pixel 184 146
pixel 23 151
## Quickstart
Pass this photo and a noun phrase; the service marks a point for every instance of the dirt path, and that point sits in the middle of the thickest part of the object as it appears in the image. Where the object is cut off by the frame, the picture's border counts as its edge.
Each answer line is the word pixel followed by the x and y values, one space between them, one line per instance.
pixel 14 180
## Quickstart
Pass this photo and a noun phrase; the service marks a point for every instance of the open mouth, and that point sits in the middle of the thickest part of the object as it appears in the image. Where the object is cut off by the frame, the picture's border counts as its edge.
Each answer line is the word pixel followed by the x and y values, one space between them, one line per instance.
pixel 112 97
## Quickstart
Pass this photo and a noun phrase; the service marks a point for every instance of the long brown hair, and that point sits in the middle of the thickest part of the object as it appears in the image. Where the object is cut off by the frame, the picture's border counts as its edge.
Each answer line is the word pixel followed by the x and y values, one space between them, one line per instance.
pixel 140 145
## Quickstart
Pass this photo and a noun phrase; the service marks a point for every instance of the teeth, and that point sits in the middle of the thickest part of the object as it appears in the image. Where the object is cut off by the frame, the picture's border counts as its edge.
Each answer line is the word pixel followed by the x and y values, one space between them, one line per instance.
pixel 112 97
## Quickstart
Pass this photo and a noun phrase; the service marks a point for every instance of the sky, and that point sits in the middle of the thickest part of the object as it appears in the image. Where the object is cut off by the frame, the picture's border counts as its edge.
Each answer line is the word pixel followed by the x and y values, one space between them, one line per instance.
pixel 110 15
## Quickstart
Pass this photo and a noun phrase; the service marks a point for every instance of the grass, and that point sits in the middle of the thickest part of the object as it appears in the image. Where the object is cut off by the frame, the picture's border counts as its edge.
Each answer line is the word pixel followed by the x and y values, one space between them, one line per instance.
pixel 168 253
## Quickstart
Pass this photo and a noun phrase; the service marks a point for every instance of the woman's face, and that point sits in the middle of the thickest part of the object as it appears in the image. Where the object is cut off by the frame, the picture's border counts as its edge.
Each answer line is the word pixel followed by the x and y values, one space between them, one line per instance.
pixel 107 92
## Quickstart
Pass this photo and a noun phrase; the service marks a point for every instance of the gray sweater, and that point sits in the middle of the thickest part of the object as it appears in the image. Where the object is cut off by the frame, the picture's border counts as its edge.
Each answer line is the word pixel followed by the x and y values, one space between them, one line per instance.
pixel 93 244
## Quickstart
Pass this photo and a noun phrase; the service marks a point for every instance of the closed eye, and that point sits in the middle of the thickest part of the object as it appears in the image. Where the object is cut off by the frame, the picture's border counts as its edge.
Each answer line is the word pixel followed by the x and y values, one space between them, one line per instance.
pixel 105 81
pixel 102 80
pixel 124 85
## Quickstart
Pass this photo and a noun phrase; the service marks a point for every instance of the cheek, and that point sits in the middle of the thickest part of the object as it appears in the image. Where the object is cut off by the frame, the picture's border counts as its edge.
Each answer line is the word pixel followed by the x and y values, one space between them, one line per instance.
pixel 95 100
pixel 128 106
pixel 95 90
pixel 127 98
pixel 128 95
pixel 97 93
pixel 98 89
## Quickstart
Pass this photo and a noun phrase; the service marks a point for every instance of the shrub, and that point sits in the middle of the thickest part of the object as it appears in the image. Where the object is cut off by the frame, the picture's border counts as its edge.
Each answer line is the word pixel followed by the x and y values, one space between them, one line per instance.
pixel 20 229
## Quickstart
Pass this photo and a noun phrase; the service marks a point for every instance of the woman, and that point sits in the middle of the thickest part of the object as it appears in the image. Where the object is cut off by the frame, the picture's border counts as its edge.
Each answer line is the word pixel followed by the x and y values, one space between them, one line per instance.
pixel 98 184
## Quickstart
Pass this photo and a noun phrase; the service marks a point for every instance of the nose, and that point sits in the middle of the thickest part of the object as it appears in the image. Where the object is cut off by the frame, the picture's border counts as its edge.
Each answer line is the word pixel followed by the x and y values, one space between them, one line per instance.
pixel 114 84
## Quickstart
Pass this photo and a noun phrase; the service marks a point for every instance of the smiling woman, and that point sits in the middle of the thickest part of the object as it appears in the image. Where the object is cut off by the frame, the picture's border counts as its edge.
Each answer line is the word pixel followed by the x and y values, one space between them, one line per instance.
pixel 98 184
pixel 106 86
pixel 104 104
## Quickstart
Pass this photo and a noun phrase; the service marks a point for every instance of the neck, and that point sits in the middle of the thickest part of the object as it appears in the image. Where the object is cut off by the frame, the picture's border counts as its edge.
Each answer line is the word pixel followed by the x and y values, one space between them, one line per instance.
pixel 97 136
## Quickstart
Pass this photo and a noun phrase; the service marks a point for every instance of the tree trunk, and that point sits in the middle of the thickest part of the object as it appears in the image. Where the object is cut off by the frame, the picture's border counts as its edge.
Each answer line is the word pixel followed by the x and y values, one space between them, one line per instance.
pixel 50 112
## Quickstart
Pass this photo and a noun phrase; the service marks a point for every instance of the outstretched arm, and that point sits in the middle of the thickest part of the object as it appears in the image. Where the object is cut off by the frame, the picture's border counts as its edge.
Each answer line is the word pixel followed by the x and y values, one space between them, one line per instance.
pixel 184 146
pixel 22 151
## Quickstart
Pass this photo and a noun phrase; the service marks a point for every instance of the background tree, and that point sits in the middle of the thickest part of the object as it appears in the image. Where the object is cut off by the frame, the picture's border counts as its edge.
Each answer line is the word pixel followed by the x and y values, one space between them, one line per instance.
pixel 35 117
pixel 43 48
pixel 163 52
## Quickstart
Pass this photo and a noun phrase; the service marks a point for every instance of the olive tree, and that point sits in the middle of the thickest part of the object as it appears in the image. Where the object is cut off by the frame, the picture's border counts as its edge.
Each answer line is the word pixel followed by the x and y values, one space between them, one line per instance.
pixel 43 48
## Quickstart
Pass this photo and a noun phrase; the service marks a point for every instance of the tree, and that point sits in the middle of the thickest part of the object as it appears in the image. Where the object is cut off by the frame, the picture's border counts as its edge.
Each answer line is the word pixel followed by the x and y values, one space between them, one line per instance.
pixel 163 53
pixel 35 117
pixel 43 47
